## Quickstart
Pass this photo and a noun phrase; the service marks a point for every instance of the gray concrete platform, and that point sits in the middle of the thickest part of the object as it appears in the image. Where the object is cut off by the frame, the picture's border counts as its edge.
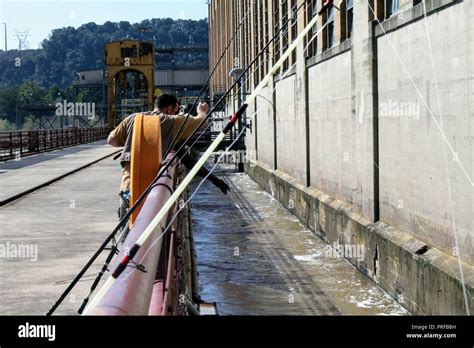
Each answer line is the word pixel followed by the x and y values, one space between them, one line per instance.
pixel 26 174
pixel 59 228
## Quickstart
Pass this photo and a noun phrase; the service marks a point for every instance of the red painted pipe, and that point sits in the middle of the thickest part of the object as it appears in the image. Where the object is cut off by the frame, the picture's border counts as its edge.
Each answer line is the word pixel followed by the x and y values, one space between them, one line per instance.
pixel 163 288
pixel 131 294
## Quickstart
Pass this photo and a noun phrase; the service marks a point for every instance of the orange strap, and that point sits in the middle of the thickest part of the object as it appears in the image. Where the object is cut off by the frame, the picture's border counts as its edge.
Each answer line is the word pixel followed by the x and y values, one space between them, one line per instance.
pixel 145 157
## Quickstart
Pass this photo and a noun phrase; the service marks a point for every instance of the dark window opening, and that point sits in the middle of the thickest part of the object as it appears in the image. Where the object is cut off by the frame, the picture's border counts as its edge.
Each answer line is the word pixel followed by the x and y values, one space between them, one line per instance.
pixel 277 41
pixel 331 27
pixel 284 17
pixel 350 17
pixel 312 40
pixel 129 52
pixel 392 6
pixel 294 27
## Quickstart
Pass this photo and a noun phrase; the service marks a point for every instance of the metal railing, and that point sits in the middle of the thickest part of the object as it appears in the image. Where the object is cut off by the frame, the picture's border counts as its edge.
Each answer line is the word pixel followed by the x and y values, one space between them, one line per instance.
pixel 202 139
pixel 23 143
pixel 149 292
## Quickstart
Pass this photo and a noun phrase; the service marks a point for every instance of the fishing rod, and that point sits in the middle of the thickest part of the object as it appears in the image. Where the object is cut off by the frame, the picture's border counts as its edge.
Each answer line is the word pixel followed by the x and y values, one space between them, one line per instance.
pixel 221 99
pixel 182 206
pixel 236 93
pixel 170 223
pixel 226 94
pixel 105 267
pixel 176 137
pixel 325 7
pixel 205 86
pixel 163 170
pixel 172 144
pixel 125 261
pixel 113 253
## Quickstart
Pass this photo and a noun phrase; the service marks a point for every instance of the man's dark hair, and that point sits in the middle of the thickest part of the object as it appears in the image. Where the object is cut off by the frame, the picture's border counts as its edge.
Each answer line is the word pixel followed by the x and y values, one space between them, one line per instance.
pixel 165 100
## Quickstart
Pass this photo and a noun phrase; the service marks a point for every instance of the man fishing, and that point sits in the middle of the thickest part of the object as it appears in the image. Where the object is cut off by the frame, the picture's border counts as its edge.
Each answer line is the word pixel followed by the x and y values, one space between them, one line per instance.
pixel 167 108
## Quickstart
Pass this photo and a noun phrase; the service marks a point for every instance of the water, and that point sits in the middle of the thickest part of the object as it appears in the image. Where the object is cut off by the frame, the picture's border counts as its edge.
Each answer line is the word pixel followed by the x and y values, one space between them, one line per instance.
pixel 255 258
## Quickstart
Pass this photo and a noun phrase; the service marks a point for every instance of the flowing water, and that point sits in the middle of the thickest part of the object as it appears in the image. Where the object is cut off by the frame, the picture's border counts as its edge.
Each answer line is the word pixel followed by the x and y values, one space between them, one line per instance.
pixel 256 258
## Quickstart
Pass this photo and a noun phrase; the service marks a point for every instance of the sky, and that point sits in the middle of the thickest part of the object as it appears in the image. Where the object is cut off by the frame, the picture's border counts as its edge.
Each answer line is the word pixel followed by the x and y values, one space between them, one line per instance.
pixel 40 17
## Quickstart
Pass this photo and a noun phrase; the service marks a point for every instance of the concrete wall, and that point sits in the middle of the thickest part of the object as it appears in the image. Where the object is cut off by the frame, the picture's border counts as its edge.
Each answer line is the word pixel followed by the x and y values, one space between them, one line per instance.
pixel 361 100
pixel 427 284
pixel 426 99
pixel 265 127
pixel 252 134
pixel 291 133
pixel 381 173
pixel 333 165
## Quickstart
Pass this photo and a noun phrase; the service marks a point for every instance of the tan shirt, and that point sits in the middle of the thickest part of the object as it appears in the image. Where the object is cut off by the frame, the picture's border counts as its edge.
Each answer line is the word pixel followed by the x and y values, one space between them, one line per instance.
pixel 170 126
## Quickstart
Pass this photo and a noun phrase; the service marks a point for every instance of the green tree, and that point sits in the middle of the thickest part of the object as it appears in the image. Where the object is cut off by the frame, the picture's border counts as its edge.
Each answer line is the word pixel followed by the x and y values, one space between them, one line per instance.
pixel 40 75
pixel 8 102
pixel 5 125
pixel 30 92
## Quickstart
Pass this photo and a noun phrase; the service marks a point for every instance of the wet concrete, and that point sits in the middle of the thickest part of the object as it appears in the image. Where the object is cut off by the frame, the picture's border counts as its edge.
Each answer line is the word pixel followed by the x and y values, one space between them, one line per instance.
pixel 255 258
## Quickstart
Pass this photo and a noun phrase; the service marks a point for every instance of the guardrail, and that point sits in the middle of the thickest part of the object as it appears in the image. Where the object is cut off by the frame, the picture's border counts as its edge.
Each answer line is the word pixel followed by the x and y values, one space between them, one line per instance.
pixel 150 292
pixel 23 143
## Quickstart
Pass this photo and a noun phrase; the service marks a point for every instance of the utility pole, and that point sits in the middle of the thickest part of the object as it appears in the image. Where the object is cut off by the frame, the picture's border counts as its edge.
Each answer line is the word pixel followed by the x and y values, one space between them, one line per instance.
pixel 6 46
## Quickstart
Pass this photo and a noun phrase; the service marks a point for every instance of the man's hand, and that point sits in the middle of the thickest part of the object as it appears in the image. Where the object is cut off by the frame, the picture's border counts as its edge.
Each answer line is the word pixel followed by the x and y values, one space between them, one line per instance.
pixel 203 108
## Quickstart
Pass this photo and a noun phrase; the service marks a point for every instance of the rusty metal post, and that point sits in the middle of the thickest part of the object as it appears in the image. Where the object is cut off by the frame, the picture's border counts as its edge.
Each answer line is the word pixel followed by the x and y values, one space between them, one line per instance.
pixel 11 144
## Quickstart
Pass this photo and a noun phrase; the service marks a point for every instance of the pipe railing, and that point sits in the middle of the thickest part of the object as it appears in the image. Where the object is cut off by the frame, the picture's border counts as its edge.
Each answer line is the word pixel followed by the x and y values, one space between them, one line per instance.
pixel 138 292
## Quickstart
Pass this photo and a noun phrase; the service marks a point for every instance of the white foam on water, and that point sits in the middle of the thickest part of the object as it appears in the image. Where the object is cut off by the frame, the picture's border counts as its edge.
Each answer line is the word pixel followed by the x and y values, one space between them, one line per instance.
pixel 312 259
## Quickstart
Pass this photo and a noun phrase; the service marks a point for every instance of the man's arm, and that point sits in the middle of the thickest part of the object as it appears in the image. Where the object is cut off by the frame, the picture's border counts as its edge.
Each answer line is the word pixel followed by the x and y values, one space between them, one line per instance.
pixel 192 122
pixel 112 140
pixel 118 136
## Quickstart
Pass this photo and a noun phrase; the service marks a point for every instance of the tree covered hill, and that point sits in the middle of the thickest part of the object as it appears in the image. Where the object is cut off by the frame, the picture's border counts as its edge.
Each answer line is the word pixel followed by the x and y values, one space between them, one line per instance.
pixel 69 50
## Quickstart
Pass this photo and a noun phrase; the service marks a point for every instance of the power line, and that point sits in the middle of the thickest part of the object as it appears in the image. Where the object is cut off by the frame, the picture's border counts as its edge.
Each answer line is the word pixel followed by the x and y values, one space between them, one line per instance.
pixel 22 37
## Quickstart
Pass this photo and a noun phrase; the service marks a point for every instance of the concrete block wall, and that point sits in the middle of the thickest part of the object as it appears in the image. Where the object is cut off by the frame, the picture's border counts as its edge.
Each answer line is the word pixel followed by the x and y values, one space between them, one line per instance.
pixel 426 126
pixel 365 162
pixel 362 100
pixel 427 284
pixel 250 138
pixel 333 135
pixel 291 133
pixel 265 127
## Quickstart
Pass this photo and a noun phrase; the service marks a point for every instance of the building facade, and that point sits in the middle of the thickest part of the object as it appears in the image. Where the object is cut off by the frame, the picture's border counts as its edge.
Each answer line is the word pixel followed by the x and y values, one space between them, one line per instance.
pixel 367 131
